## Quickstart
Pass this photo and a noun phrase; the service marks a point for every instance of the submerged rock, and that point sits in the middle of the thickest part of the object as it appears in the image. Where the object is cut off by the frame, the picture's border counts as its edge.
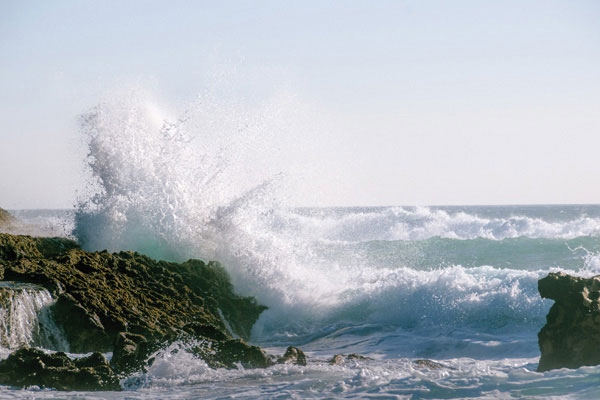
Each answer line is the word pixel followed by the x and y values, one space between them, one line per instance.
pixel 33 367
pixel 340 359
pixel 428 364
pixel 571 336
pixel 134 352
pixel 231 353
pixel 293 355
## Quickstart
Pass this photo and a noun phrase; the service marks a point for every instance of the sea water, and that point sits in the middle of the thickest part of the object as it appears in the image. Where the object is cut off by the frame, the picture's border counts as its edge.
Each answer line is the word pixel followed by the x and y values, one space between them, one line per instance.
pixel 457 285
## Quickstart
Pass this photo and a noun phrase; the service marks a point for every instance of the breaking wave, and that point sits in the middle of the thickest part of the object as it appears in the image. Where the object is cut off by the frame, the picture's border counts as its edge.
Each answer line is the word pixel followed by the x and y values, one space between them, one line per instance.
pixel 206 184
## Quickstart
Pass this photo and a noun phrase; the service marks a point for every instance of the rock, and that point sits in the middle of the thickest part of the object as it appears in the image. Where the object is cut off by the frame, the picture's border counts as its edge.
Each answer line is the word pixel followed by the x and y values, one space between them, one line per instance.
pixel 293 355
pixel 428 364
pixel 130 353
pixel 134 352
pixel 127 291
pixel 198 330
pixel 83 330
pixel 134 306
pixel 340 359
pixel 6 219
pixel 571 336
pixel 231 353
pixel 354 356
pixel 32 367
pixel 337 359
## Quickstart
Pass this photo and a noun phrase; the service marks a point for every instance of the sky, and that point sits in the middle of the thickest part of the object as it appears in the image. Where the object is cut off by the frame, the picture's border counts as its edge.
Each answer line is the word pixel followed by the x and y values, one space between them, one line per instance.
pixel 402 102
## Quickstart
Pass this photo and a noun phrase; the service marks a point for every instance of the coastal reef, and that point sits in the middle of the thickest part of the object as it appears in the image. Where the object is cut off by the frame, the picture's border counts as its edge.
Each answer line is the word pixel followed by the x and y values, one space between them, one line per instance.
pixel 124 303
pixel 571 336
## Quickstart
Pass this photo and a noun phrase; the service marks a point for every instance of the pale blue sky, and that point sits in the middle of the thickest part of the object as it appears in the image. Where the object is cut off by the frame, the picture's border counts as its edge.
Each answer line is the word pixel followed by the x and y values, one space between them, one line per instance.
pixel 416 102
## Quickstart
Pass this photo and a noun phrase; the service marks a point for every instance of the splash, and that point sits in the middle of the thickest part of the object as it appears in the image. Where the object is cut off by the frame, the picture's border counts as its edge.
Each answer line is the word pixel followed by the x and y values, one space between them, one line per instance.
pixel 206 184
pixel 25 318
pixel 163 186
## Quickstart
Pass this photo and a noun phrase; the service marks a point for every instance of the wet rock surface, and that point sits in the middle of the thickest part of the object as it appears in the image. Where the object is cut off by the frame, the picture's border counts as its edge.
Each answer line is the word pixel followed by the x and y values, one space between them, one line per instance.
pixel 340 359
pixel 125 291
pixel 424 363
pixel 130 353
pixel 32 367
pixel 293 355
pixel 571 336
pixel 131 305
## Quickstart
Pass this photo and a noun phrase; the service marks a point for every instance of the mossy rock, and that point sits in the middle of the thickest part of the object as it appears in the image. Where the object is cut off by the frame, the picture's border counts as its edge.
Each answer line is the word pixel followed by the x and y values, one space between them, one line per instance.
pixel 33 367
pixel 134 305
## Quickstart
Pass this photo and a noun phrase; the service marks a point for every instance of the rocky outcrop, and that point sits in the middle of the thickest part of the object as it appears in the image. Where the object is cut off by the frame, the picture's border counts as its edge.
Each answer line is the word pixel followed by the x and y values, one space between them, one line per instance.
pixel 134 352
pixel 6 219
pixel 124 292
pixel 571 336
pixel 133 305
pixel 33 367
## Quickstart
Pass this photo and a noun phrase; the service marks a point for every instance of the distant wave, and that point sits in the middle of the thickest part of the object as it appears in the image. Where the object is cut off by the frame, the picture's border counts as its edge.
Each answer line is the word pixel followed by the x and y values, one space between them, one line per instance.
pixel 419 223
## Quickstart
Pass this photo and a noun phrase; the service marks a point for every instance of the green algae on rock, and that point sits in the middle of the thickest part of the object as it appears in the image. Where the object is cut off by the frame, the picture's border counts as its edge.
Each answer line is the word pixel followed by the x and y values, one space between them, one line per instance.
pixel 33 367
pixel 126 291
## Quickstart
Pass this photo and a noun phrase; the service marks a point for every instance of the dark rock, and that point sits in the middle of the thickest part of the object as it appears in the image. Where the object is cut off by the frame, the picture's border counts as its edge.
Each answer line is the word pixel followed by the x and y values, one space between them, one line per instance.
pixel 428 364
pixel 293 355
pixel 134 352
pixel 83 331
pixel 571 336
pixel 354 356
pixel 340 359
pixel 230 353
pixel 126 291
pixel 337 359
pixel 130 353
pixel 32 367
pixel 197 329
pixel 135 306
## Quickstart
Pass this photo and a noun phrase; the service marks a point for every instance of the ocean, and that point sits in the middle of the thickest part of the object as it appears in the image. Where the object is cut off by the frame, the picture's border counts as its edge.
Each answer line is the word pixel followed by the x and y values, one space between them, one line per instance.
pixel 456 285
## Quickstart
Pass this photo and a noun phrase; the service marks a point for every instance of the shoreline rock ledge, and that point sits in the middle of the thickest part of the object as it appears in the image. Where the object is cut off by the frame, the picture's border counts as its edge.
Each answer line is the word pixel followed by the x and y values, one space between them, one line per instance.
pixel 124 303
pixel 571 336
